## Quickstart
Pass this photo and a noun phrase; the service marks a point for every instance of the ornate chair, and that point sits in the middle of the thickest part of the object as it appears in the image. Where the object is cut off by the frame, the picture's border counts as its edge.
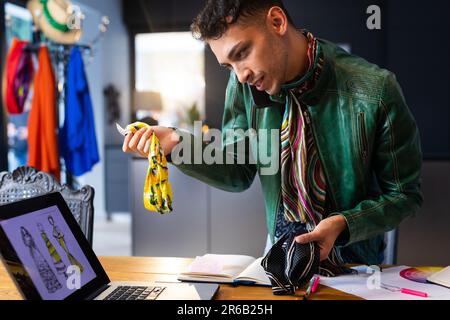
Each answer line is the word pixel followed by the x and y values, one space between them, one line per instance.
pixel 27 182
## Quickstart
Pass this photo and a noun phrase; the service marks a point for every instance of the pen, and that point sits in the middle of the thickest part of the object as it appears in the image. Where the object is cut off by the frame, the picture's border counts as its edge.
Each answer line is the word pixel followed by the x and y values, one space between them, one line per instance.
pixel 311 282
pixel 315 284
pixel 404 290
pixel 414 292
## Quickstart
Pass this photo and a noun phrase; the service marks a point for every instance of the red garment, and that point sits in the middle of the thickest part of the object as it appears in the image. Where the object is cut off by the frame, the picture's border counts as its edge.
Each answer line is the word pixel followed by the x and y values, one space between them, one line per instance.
pixel 19 70
pixel 43 151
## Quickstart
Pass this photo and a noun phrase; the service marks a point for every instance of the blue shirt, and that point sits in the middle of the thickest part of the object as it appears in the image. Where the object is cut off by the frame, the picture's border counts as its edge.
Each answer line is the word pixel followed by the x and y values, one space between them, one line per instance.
pixel 78 142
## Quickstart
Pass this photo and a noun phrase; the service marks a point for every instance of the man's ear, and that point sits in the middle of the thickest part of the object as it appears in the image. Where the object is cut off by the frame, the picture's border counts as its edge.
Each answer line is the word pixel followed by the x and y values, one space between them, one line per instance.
pixel 277 20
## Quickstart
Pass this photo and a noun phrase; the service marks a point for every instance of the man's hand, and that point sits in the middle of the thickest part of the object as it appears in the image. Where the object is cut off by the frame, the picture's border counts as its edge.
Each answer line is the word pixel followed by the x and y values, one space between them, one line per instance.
pixel 139 142
pixel 325 233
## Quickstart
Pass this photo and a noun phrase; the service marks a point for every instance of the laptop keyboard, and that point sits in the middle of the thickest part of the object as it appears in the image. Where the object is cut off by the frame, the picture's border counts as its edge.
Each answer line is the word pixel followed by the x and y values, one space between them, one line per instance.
pixel 135 293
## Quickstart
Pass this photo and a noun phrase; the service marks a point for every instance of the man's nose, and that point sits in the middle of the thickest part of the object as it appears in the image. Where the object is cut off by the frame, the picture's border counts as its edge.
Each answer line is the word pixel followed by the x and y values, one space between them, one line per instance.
pixel 243 75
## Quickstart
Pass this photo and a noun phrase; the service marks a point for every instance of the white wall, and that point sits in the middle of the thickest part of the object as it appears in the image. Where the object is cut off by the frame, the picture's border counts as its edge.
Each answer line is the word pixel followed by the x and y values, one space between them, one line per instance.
pixel 424 240
pixel 115 59
pixel 110 65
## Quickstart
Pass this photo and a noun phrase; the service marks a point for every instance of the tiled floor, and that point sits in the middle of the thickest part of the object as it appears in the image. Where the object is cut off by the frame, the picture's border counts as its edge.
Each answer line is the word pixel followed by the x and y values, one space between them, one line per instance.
pixel 113 238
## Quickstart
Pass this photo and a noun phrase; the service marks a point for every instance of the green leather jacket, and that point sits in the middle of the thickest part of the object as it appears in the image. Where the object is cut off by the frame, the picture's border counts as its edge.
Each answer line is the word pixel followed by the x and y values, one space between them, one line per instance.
pixel 367 140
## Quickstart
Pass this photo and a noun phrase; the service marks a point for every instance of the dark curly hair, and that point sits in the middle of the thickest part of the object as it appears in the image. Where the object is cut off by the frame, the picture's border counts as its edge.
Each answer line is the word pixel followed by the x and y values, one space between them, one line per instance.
pixel 212 21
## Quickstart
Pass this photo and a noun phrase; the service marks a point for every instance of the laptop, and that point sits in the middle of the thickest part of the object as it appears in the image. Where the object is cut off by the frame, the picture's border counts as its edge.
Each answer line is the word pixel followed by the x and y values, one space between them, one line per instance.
pixel 49 258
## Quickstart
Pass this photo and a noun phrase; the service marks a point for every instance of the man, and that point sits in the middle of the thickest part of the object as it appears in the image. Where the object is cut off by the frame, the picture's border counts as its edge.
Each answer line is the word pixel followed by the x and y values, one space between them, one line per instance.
pixel 350 150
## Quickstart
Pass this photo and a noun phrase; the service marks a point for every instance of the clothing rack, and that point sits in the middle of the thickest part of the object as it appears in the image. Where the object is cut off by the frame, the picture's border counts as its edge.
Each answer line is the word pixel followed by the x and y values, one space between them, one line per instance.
pixel 60 54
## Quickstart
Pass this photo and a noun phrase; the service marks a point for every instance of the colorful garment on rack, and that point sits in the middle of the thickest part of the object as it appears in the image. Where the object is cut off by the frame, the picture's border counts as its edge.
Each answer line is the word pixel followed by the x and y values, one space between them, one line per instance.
pixel 43 153
pixel 78 141
pixel 157 189
pixel 18 77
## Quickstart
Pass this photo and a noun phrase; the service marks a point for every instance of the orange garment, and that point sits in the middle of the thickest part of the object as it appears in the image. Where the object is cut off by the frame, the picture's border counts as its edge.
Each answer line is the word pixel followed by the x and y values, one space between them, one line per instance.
pixel 43 151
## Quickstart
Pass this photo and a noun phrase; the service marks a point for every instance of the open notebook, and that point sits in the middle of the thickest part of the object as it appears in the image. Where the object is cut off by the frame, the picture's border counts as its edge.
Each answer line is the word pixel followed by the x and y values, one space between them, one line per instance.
pixel 225 268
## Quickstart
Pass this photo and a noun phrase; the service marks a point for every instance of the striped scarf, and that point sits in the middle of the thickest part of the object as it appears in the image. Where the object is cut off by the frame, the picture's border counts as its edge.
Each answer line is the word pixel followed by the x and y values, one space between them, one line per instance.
pixel 297 149
pixel 303 183
pixel 303 190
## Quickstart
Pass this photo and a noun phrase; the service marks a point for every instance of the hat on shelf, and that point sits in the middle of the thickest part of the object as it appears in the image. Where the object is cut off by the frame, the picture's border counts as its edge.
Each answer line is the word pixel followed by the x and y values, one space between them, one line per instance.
pixel 57 20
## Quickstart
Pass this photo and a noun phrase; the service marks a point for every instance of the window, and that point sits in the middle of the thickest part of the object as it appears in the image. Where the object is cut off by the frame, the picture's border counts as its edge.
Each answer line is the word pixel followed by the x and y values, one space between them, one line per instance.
pixel 172 66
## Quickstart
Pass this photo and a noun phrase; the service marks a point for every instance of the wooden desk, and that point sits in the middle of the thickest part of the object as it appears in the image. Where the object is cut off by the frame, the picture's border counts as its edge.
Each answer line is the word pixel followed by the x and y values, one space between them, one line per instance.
pixel 166 269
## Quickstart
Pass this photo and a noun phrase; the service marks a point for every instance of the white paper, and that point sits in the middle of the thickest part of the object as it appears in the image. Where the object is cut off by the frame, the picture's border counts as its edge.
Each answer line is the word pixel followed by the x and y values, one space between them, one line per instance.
pixel 221 265
pixel 255 272
pixel 205 265
pixel 364 285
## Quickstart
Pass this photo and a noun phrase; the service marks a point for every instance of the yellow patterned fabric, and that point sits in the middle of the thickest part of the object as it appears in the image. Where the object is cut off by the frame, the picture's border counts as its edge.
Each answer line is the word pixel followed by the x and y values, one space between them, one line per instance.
pixel 157 189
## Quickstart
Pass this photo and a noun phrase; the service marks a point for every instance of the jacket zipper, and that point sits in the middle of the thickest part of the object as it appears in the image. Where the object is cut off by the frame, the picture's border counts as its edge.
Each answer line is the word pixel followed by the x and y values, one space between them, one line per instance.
pixel 277 210
pixel 362 135
pixel 308 120
pixel 253 126
pixel 253 120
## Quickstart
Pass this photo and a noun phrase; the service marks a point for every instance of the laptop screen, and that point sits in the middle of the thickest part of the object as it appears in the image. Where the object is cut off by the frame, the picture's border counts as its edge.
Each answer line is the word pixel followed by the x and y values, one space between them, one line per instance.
pixel 45 251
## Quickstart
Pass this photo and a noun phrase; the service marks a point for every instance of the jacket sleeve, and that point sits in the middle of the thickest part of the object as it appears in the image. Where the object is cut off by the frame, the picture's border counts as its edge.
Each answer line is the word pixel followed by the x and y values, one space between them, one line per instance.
pixel 233 175
pixel 397 164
